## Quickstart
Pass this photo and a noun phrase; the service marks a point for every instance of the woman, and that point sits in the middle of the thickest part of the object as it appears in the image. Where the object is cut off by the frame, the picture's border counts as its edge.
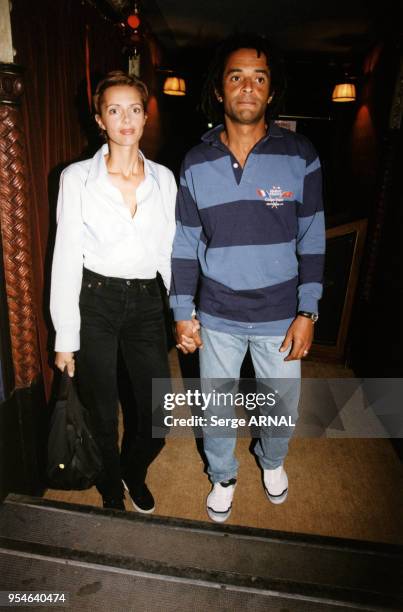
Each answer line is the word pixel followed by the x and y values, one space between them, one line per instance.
pixel 115 229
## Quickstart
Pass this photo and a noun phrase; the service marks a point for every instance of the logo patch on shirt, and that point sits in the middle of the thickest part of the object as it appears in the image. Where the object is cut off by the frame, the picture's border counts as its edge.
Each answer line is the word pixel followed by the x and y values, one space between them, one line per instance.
pixel 275 196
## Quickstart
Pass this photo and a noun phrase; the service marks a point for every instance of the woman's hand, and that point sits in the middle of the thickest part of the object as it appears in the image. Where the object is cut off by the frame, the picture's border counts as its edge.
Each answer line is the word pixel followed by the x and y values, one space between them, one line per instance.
pixel 65 359
pixel 187 336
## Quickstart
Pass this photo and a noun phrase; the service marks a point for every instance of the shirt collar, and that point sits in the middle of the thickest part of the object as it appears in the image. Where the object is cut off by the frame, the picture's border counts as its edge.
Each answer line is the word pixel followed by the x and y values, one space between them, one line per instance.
pixel 213 136
pixel 99 170
pixel 275 130
pixel 149 168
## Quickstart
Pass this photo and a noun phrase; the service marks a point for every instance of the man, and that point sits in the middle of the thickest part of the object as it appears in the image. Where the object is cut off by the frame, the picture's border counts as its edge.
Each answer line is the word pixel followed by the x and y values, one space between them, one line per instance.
pixel 250 243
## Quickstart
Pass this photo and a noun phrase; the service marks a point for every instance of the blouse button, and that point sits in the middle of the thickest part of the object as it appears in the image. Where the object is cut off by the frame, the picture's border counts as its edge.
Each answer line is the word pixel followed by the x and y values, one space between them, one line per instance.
pixel 235 165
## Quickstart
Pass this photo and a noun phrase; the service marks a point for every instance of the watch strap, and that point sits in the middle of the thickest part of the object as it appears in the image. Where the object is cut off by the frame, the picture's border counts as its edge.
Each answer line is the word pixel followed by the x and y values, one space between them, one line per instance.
pixel 309 315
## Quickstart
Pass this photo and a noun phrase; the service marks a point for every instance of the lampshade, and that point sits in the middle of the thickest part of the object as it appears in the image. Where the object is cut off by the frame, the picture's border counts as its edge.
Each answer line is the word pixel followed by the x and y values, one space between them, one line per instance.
pixel 344 92
pixel 174 86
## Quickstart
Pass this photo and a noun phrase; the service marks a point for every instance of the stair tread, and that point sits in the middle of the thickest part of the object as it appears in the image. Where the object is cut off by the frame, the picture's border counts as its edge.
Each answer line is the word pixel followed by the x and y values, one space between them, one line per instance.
pixel 94 589
pixel 178 544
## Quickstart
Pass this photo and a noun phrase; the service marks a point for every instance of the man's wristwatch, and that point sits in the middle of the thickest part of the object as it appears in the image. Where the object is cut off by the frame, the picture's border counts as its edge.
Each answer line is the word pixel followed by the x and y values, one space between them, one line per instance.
pixel 309 315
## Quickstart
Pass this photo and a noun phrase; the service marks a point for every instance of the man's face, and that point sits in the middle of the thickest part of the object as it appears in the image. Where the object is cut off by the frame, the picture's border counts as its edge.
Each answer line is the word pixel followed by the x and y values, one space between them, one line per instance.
pixel 246 87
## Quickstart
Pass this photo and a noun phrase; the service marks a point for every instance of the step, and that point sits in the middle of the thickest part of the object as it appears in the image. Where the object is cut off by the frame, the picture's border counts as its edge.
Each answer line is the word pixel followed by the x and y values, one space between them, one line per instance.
pixel 108 589
pixel 324 571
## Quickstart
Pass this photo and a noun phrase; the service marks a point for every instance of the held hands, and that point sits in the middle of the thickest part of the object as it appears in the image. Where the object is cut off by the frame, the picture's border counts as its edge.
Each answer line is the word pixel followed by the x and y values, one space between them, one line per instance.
pixel 65 359
pixel 187 336
pixel 300 335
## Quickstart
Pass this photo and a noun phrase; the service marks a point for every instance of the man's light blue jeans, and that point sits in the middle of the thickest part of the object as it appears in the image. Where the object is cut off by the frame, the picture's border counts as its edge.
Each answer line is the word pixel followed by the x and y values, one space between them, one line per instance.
pixel 222 357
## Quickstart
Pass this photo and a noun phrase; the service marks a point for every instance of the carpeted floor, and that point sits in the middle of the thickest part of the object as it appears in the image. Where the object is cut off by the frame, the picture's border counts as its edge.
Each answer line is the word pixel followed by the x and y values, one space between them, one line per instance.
pixel 348 488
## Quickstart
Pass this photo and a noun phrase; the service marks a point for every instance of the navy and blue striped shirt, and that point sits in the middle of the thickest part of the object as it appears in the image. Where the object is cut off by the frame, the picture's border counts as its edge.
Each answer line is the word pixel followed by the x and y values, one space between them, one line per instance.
pixel 249 241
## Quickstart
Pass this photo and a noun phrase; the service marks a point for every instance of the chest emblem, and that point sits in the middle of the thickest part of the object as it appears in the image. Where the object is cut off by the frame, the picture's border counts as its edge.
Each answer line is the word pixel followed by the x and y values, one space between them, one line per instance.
pixel 275 196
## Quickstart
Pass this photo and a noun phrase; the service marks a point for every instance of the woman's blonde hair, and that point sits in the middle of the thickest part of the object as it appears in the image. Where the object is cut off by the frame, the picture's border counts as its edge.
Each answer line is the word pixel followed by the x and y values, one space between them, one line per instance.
pixel 118 77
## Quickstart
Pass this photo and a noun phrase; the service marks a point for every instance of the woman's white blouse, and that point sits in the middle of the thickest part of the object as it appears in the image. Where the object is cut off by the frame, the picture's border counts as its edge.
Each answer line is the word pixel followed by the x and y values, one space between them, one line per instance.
pixel 96 230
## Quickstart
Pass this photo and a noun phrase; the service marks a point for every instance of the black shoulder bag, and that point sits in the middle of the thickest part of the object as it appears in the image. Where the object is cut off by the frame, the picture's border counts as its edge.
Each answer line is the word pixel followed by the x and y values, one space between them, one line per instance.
pixel 74 459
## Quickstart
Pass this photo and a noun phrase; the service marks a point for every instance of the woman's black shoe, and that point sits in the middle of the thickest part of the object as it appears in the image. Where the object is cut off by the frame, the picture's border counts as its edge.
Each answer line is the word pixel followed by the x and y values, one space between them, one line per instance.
pixel 141 498
pixel 113 503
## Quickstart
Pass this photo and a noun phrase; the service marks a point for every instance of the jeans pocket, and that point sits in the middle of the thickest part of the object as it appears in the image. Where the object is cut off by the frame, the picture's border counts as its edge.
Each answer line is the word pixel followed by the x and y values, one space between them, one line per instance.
pixel 90 288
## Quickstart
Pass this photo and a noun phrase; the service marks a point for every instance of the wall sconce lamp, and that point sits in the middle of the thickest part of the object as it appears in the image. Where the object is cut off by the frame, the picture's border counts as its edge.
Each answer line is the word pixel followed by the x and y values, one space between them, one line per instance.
pixel 174 86
pixel 344 92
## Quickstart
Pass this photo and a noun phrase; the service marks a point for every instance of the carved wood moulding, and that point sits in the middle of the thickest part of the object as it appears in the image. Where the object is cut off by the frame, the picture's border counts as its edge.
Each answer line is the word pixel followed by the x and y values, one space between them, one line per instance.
pixel 16 229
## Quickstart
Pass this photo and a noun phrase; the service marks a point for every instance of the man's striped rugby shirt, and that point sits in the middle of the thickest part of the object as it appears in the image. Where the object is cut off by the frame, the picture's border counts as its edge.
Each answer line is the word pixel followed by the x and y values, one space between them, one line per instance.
pixel 249 244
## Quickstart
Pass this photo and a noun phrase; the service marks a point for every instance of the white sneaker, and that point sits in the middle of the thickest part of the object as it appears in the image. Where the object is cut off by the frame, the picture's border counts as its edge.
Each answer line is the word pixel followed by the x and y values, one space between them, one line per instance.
pixel 276 484
pixel 219 500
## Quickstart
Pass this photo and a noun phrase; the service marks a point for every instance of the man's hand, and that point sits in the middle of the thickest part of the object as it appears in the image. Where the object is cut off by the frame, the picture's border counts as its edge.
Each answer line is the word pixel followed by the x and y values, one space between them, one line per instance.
pixel 65 359
pixel 300 334
pixel 187 336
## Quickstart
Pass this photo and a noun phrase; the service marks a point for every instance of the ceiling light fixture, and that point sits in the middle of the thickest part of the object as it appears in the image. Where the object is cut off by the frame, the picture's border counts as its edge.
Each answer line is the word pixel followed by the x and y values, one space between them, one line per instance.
pixel 133 19
pixel 134 40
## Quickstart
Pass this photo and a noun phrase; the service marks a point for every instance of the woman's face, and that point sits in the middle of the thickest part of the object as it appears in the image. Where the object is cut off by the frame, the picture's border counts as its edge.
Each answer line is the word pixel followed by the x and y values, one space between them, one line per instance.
pixel 122 115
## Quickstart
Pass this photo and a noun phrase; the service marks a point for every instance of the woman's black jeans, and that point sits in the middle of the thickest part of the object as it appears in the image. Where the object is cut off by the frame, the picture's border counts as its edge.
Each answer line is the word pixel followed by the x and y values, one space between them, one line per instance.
pixel 126 314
